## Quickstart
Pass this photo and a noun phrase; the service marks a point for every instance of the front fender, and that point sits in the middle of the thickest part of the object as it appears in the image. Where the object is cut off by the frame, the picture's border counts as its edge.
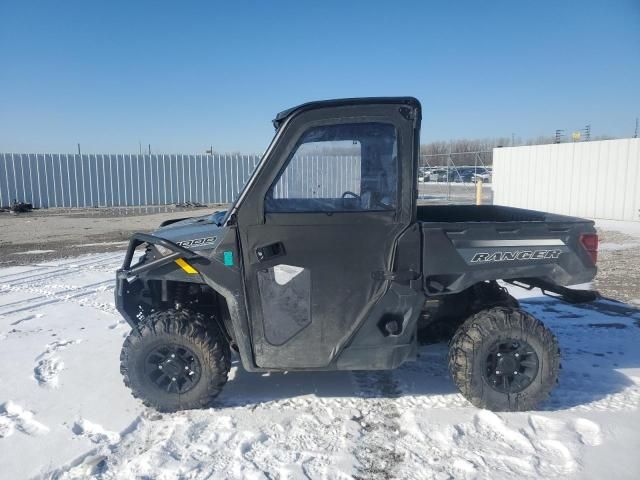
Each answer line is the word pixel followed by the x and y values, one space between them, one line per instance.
pixel 219 268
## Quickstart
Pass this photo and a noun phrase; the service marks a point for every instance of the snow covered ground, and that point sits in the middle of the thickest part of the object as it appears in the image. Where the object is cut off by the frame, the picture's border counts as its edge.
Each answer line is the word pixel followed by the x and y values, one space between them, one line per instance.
pixel 64 412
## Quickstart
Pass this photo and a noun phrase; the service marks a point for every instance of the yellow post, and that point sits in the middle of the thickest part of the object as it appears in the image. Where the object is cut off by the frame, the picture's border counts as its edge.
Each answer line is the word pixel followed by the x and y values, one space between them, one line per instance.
pixel 479 192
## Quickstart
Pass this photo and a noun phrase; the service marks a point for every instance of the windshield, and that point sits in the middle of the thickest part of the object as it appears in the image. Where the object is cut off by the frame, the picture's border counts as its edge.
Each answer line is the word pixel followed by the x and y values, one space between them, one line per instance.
pixel 247 185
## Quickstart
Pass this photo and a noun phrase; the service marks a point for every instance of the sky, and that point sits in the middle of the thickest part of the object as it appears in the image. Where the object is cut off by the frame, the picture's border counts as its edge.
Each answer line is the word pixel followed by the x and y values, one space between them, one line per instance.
pixel 182 76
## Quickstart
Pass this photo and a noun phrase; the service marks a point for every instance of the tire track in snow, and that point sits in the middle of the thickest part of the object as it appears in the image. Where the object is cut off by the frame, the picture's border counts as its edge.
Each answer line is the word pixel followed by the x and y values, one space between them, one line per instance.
pixel 82 261
pixel 49 291
pixel 72 262
pixel 40 283
pixel 63 296
pixel 72 268
pixel 376 452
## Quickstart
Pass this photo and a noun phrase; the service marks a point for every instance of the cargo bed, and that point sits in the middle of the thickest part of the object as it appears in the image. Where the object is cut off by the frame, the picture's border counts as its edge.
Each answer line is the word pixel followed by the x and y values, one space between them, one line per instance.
pixel 465 244
pixel 485 213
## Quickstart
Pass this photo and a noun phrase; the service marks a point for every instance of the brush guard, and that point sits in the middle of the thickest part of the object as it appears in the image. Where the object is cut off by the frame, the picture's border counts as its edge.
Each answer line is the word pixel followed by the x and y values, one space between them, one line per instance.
pixel 127 271
pixel 128 274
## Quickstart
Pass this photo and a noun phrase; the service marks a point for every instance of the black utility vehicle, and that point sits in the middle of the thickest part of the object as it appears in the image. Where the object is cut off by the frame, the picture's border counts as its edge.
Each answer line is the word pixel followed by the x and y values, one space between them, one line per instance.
pixel 342 270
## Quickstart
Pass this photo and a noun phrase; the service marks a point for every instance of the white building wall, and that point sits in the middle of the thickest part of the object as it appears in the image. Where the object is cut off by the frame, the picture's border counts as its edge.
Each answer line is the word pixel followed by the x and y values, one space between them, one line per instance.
pixel 587 179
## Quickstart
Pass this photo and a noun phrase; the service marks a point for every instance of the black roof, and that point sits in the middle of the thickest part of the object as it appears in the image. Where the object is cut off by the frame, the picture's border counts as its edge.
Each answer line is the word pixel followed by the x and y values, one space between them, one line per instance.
pixel 282 116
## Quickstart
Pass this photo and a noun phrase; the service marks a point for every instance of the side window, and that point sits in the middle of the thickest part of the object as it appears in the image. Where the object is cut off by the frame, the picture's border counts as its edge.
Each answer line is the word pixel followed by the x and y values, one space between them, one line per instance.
pixel 335 168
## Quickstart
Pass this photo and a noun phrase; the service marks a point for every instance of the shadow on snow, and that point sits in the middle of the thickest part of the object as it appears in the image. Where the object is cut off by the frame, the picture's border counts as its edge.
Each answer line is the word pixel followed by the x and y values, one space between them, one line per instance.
pixel 596 341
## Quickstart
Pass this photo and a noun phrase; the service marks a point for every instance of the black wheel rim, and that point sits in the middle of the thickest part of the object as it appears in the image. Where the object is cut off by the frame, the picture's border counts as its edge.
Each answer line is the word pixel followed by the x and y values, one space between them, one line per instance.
pixel 511 366
pixel 173 368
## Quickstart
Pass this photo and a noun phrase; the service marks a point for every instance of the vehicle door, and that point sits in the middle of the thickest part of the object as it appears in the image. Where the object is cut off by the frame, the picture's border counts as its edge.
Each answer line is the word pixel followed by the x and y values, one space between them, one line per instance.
pixel 319 226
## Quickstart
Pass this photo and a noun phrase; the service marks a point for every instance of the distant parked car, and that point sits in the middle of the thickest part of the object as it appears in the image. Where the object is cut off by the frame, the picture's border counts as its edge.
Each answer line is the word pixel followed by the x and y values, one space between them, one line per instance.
pixel 469 174
pixel 483 175
pixel 464 175
pixel 423 174
pixel 438 175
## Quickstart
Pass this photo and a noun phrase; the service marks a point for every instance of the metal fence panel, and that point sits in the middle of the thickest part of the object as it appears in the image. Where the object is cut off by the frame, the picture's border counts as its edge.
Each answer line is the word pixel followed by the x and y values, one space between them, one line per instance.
pixel 117 180
pixel 599 179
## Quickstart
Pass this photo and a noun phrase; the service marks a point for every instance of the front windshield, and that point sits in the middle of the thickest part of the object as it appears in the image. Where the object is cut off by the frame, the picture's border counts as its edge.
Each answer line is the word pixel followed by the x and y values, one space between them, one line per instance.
pixel 234 206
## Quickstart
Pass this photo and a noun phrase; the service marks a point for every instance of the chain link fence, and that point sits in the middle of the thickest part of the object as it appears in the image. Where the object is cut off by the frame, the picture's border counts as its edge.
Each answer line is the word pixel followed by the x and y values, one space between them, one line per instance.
pixel 453 177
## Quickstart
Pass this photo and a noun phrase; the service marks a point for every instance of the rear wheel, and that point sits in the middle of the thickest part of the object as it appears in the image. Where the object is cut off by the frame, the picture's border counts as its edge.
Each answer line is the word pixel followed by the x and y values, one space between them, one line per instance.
pixel 504 359
pixel 177 361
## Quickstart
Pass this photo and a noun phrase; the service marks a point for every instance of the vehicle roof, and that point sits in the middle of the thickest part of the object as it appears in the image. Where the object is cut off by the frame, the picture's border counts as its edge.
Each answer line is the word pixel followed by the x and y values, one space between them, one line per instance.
pixel 282 116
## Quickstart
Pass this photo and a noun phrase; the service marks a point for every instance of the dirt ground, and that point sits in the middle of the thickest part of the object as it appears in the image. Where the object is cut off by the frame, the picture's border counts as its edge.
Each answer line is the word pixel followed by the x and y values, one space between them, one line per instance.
pixel 619 267
pixel 41 235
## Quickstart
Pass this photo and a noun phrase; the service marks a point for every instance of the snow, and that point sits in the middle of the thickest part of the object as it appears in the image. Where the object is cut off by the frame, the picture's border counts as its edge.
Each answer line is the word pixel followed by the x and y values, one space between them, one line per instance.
pixel 33 252
pixel 64 412
pixel 628 228
pixel 613 246
pixel 101 244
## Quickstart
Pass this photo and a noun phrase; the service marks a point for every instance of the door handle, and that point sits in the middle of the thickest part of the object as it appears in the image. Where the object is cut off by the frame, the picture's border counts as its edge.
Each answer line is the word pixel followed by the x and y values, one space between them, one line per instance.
pixel 270 251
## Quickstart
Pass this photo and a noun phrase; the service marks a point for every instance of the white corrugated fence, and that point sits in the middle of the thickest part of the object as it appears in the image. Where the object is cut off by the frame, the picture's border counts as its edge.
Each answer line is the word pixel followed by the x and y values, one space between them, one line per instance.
pixel 108 180
pixel 599 179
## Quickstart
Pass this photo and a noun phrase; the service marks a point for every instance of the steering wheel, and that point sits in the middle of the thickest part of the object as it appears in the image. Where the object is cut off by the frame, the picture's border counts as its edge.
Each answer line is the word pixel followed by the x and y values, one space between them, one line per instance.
pixel 354 195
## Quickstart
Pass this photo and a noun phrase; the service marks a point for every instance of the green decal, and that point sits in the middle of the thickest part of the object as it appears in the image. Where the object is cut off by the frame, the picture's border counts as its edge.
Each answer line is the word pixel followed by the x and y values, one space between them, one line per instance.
pixel 228 258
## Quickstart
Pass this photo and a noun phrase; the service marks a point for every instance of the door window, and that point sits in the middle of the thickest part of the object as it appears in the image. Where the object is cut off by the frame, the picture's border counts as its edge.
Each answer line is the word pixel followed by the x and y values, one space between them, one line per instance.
pixel 336 168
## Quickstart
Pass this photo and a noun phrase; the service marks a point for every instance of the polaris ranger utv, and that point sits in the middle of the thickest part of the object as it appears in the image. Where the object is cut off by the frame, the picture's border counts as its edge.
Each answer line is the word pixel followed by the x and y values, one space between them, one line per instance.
pixel 340 271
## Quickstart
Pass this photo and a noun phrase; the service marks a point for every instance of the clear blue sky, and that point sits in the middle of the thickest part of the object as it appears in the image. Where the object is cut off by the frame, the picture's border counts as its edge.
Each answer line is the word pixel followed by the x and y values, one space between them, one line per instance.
pixel 184 75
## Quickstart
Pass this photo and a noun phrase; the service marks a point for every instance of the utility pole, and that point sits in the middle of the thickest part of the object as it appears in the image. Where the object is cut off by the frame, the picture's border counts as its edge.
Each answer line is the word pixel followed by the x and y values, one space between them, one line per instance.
pixel 635 135
pixel 149 149
pixel 449 162
pixel 79 144
pixel 140 147
pixel 558 136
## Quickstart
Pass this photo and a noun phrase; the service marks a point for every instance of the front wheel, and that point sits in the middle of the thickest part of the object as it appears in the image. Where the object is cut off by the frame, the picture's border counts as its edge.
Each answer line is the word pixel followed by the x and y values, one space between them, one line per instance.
pixel 177 361
pixel 504 359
